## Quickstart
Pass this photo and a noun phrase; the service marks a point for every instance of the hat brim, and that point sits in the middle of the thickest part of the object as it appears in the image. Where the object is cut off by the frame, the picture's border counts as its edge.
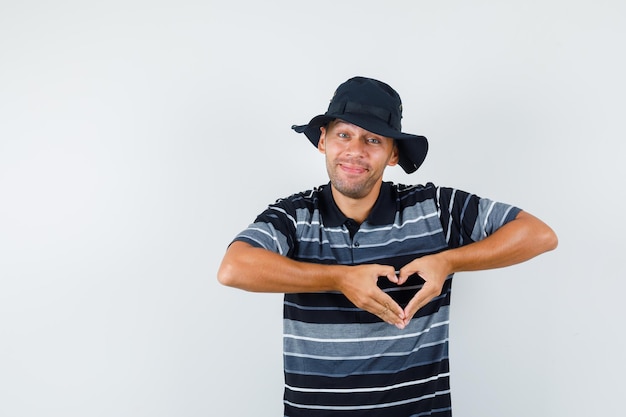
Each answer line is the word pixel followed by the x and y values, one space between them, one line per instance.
pixel 412 149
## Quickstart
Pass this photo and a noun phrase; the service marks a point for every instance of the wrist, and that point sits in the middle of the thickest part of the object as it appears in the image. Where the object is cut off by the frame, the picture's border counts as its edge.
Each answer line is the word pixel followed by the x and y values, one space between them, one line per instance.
pixel 335 276
pixel 448 261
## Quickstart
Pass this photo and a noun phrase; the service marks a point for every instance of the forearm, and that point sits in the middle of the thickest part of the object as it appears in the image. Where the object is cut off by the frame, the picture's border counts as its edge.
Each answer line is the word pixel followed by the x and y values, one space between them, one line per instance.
pixel 519 240
pixel 254 269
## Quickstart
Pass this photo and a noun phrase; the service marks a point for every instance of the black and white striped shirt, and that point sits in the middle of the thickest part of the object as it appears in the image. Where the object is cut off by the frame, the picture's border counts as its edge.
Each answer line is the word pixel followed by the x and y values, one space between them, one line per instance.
pixel 343 361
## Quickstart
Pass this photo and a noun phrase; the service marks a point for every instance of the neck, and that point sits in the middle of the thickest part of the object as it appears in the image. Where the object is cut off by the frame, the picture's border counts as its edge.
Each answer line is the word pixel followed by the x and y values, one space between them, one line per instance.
pixel 356 208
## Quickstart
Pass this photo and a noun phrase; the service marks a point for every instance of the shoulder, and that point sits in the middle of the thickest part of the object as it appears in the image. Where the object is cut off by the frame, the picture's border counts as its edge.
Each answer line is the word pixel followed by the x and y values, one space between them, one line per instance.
pixel 302 198
pixel 411 194
pixel 300 203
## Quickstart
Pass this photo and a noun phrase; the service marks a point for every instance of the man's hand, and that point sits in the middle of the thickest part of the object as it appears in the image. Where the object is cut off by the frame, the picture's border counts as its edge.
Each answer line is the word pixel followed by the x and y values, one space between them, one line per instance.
pixel 434 270
pixel 259 270
pixel 517 241
pixel 359 285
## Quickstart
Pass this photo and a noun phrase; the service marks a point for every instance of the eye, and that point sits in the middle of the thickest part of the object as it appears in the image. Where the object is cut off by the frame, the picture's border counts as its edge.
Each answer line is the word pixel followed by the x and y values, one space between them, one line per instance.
pixel 342 135
pixel 374 141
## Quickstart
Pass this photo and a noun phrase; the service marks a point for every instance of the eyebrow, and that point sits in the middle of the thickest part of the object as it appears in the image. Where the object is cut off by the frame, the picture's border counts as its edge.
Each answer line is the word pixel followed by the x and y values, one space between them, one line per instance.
pixel 338 121
pixel 343 122
pixel 348 124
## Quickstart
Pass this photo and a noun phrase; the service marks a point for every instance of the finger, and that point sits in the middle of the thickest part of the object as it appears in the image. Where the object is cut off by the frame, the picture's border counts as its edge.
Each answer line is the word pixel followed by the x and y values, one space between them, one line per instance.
pixel 405 272
pixel 421 298
pixel 390 273
pixel 388 317
pixel 389 311
pixel 392 278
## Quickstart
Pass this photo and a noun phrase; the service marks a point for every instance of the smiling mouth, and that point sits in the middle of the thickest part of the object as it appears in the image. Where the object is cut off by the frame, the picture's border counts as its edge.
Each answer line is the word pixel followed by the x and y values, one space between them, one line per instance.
pixel 353 169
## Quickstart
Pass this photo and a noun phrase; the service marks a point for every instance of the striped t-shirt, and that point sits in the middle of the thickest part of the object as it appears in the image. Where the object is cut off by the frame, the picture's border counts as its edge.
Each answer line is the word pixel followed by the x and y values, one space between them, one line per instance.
pixel 340 360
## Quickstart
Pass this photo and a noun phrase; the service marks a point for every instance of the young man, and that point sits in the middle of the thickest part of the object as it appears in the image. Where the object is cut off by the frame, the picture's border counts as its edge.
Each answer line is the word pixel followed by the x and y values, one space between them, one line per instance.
pixel 366 266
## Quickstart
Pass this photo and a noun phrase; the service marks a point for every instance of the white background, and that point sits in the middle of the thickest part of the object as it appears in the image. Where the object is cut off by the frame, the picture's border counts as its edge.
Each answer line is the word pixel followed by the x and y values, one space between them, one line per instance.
pixel 131 130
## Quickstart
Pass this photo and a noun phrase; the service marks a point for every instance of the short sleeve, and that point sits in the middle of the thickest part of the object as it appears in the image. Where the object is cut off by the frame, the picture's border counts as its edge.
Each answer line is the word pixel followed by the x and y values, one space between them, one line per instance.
pixel 274 230
pixel 468 218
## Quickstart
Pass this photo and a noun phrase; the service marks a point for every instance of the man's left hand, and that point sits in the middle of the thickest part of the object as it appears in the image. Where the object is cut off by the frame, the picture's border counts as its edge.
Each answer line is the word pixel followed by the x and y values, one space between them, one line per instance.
pixel 434 269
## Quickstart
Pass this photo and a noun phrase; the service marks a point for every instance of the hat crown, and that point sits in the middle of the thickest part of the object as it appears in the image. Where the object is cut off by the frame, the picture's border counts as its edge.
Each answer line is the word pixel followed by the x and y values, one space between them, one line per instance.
pixel 370 97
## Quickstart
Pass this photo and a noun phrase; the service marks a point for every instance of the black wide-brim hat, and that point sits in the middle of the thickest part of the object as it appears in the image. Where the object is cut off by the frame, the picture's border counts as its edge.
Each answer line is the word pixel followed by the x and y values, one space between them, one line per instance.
pixel 376 107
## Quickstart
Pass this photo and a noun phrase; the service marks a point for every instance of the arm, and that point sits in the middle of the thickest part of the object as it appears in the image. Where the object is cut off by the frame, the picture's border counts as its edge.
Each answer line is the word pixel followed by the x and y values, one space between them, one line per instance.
pixel 259 270
pixel 519 240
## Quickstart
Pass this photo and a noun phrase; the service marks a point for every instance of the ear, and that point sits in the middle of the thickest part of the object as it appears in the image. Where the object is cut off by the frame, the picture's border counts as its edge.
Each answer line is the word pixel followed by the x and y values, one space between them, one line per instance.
pixel 321 145
pixel 395 156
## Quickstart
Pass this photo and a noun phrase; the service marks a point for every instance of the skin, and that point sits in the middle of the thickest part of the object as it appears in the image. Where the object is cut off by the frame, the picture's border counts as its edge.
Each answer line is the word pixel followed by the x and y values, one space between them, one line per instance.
pixel 355 161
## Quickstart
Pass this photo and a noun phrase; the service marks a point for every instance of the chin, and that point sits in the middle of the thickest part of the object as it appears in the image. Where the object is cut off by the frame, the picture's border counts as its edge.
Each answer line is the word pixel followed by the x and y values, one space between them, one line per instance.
pixel 356 192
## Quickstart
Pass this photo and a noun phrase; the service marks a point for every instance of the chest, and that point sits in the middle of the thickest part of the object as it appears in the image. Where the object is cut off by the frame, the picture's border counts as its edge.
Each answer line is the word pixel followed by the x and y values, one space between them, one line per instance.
pixel 415 231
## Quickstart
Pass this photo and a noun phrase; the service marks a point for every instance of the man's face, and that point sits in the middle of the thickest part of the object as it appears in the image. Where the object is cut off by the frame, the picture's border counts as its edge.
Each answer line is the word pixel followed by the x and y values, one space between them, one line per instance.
pixel 355 158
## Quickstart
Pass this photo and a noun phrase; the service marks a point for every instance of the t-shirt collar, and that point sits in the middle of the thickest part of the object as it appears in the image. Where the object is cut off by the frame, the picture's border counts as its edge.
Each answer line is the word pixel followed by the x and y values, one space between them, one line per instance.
pixel 383 212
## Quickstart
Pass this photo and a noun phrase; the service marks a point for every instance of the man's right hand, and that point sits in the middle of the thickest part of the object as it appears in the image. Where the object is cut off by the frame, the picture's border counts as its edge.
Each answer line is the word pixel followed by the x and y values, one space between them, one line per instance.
pixel 359 285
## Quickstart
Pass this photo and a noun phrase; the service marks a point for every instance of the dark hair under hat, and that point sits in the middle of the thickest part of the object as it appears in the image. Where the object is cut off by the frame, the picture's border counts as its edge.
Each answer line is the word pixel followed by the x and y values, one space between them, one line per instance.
pixel 374 106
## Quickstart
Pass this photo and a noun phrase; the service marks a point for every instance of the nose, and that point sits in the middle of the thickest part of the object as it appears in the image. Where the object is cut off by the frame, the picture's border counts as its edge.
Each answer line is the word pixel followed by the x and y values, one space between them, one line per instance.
pixel 355 147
